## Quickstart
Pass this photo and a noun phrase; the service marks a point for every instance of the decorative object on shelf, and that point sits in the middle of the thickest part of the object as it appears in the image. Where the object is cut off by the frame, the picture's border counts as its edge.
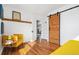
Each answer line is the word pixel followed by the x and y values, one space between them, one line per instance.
pixel 1 11
pixel 16 16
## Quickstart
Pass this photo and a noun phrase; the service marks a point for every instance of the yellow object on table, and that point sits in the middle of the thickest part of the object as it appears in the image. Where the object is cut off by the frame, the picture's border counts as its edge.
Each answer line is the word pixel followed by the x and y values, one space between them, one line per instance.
pixel 70 48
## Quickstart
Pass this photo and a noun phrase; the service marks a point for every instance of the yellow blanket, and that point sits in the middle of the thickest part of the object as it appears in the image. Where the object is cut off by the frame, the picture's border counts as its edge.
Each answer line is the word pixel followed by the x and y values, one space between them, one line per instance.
pixel 70 48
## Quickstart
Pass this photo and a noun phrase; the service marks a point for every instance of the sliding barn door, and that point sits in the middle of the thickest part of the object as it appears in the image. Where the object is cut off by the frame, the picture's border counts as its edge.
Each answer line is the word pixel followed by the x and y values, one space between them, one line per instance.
pixel 54 29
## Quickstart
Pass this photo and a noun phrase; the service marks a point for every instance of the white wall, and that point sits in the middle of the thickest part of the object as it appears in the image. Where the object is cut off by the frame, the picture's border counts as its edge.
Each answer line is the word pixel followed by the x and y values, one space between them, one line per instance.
pixel 11 28
pixel 9 8
pixel 27 16
pixel 69 25
pixel 45 28
pixel 24 16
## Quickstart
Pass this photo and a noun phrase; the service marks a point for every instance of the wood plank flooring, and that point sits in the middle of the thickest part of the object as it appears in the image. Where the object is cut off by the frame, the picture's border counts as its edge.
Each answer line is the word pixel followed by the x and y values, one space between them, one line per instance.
pixel 39 48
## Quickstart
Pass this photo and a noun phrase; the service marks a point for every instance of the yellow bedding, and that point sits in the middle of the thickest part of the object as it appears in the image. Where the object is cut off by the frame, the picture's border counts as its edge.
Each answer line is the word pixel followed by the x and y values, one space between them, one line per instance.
pixel 70 48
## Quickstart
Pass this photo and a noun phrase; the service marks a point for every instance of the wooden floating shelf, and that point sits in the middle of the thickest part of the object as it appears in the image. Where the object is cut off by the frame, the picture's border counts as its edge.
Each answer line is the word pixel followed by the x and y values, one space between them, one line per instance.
pixel 6 19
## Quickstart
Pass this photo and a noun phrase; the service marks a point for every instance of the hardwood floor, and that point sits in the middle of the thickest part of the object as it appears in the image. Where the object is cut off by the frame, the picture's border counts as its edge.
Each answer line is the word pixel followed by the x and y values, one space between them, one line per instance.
pixel 39 48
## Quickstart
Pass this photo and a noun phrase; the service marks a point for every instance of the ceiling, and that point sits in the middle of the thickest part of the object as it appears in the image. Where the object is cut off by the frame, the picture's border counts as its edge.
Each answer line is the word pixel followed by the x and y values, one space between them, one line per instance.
pixel 36 9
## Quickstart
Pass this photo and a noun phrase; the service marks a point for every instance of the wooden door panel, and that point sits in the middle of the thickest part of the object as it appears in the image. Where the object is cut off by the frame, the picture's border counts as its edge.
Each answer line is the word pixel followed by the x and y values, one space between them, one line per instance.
pixel 54 22
pixel 54 29
pixel 54 37
pixel 55 41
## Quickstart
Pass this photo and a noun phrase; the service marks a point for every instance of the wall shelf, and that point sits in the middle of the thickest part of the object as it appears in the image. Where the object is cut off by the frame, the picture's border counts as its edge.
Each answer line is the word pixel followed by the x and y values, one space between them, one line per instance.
pixel 6 19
